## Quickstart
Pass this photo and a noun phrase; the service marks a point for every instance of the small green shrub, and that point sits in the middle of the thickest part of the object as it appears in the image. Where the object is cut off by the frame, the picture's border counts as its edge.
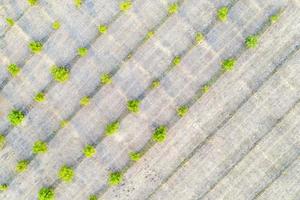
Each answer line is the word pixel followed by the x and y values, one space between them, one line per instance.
pixel 10 21
pixel 89 151
pixel 112 128
pixel 39 147
pixel 160 134
pixel 182 111
pixel 16 117
pixel 55 25
pixel 155 84
pixel 173 8
pixel 13 69
pixel 82 51
pixel 176 60
pixel 133 106
pixel 223 14
pixel 2 141
pixel 93 197
pixel 64 123
pixel 66 174
pixel 22 166
pixel 102 29
pixel 46 194
pixel 84 101
pixel 3 187
pixel 115 178
pixel 40 97
pixel 105 79
pixel 251 41
pixel 135 156
pixel 228 64
pixel 78 3
pixel 125 5
pixel 32 2
pixel 60 74
pixel 199 38
pixel 149 35
pixel 35 46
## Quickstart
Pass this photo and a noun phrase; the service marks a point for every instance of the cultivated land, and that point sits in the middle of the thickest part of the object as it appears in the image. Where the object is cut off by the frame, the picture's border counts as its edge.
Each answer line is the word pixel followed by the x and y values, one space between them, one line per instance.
pixel 221 122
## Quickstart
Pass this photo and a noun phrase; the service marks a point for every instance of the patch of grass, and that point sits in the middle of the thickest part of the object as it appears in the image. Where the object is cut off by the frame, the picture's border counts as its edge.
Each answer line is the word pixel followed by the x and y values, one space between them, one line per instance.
pixel 22 166
pixel 35 46
pixel 33 2
pixel 105 79
pixel 135 156
pixel 40 97
pixel 133 106
pixel 13 69
pixel 55 25
pixel 155 84
pixel 60 74
pixel 2 141
pixel 182 111
pixel 66 174
pixel 222 14
pixel 10 21
pixel 251 41
pixel 176 60
pixel 84 101
pixel 89 151
pixel 112 128
pixel 93 197
pixel 199 38
pixel 64 123
pixel 173 8
pixel 102 29
pixel 39 147
pixel 16 117
pixel 78 3
pixel 46 193
pixel 3 187
pixel 125 5
pixel 115 178
pixel 160 134
pixel 82 51
pixel 228 64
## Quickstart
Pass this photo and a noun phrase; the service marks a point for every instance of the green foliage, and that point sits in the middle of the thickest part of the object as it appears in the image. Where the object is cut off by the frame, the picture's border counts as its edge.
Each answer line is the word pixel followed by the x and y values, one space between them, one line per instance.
pixel 10 21
pixel 89 151
pixel 115 178
pixel 2 141
pixel 60 74
pixel 102 29
pixel 84 101
pixel 228 64
pixel 199 38
pixel 39 147
pixel 64 123
pixel 22 166
pixel 173 8
pixel 133 106
pixel 13 69
pixel 66 174
pixel 223 14
pixel 176 60
pixel 160 134
pixel 82 51
pixel 35 46
pixel 155 84
pixel 93 197
pixel 3 187
pixel 182 111
pixel 32 2
pixel 39 97
pixel 135 156
pixel 55 25
pixel 112 128
pixel 16 117
pixel 251 41
pixel 78 3
pixel 46 194
pixel 105 79
pixel 125 5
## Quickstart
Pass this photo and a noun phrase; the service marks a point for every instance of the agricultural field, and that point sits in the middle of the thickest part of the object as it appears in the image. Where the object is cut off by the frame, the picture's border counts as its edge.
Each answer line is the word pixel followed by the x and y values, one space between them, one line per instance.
pixel 150 99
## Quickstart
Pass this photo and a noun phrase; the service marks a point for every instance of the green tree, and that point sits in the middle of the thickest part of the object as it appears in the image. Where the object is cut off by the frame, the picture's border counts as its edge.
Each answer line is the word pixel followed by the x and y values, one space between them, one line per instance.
pixel 46 193
pixel 16 117
pixel 173 8
pixel 39 97
pixel 60 74
pixel 251 41
pixel 55 25
pixel 39 147
pixel 228 64
pixel 223 14
pixel 22 166
pixel 182 111
pixel 115 178
pixel 112 128
pixel 125 5
pixel 105 79
pixel 35 46
pixel 133 106
pixel 13 69
pixel 160 134
pixel 66 174
pixel 89 151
